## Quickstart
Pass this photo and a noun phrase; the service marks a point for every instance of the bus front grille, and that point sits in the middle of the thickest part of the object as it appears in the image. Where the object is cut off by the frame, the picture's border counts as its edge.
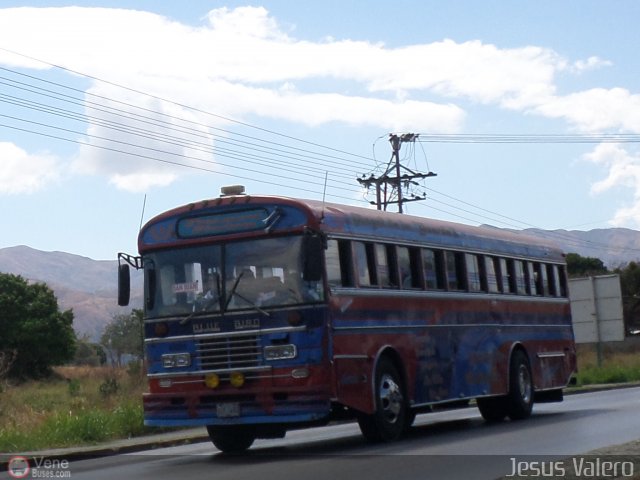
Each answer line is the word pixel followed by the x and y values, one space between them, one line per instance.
pixel 233 352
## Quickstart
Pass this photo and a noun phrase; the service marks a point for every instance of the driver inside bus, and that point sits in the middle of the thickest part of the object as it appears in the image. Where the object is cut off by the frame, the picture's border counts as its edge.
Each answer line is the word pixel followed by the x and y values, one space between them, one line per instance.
pixel 209 296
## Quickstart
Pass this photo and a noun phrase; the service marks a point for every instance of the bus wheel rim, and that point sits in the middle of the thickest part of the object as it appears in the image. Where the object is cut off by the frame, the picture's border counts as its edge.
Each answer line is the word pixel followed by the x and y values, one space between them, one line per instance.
pixel 390 398
pixel 524 383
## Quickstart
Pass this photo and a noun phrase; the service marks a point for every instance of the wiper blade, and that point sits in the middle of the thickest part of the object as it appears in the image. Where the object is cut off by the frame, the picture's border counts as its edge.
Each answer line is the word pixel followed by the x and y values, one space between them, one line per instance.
pixel 195 314
pixel 264 312
pixel 233 292
pixel 271 220
pixel 206 303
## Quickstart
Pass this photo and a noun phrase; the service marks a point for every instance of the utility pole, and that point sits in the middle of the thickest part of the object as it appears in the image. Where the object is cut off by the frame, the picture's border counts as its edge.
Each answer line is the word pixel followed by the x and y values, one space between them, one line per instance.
pixel 396 182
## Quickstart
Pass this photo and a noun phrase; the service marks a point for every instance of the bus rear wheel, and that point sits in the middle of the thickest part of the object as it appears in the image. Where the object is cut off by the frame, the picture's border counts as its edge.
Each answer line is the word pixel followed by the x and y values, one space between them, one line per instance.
pixel 520 397
pixel 518 403
pixel 391 415
pixel 235 439
pixel 492 409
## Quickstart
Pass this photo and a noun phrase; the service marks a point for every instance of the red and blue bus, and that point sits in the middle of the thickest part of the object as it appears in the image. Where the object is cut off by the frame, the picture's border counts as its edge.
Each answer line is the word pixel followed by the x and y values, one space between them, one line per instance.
pixel 265 314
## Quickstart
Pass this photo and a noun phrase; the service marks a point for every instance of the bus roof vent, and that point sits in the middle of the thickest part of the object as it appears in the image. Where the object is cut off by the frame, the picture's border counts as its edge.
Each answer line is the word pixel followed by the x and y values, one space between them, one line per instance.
pixel 230 190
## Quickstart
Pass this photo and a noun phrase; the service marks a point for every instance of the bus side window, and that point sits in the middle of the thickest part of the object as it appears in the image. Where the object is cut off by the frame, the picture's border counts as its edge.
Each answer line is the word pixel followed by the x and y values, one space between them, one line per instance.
pixel 541 279
pixel 517 276
pixel 455 271
pixel 544 280
pixel 371 262
pixel 429 269
pixel 473 273
pixel 382 266
pixel 518 271
pixel 362 264
pixel 414 264
pixel 408 276
pixel 563 281
pixel 530 275
pixel 338 260
pixel 491 275
pixel 507 275
pixel 392 257
pixel 554 280
pixel 332 260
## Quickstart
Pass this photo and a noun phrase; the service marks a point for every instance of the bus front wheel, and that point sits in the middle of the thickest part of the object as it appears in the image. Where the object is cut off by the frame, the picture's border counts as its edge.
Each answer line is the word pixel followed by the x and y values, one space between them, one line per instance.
pixel 235 439
pixel 391 415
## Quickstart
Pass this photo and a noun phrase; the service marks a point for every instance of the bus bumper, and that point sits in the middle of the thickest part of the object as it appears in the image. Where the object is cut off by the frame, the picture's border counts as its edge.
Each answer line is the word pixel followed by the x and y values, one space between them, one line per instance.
pixel 265 401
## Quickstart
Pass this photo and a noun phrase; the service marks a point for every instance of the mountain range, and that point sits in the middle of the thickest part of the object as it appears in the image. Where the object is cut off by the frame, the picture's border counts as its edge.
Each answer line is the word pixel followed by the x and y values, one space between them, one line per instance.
pixel 89 287
pixel 614 246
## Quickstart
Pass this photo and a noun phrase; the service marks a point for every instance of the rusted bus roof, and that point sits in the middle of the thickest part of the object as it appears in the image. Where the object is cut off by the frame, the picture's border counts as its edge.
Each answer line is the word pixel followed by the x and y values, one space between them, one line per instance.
pixel 395 227
pixel 371 224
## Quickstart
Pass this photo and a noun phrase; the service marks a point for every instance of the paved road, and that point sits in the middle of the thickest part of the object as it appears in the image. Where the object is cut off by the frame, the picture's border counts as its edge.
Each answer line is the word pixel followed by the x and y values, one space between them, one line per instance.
pixel 444 445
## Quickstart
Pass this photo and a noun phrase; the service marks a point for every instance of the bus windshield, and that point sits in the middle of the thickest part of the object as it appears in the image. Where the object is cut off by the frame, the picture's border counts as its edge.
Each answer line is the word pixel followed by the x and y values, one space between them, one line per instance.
pixel 252 274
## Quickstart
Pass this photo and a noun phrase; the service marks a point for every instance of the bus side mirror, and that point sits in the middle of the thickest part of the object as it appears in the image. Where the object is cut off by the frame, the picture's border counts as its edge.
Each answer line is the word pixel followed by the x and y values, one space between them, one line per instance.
pixel 312 258
pixel 124 285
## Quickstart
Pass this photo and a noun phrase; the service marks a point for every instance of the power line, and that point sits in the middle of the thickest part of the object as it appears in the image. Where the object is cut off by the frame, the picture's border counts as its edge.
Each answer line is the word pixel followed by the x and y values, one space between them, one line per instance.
pixel 525 138
pixel 157 150
pixel 170 162
pixel 330 159
pixel 194 130
pixel 195 109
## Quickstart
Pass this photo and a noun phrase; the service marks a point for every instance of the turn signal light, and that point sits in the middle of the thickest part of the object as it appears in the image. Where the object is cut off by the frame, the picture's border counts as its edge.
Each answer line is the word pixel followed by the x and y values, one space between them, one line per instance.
pixel 161 329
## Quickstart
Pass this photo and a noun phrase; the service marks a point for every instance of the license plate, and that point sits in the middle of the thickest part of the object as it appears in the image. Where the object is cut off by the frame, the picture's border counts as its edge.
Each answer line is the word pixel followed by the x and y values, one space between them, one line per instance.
pixel 226 410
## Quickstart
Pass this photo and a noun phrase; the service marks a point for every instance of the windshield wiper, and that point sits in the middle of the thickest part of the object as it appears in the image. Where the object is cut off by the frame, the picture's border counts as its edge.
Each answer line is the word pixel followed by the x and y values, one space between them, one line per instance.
pixel 233 292
pixel 205 303
pixel 272 219
pixel 195 313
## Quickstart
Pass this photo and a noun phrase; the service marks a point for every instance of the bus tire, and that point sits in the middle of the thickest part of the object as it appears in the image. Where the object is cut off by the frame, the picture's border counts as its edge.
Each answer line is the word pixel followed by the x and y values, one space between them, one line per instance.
pixel 492 409
pixel 520 396
pixel 235 439
pixel 391 415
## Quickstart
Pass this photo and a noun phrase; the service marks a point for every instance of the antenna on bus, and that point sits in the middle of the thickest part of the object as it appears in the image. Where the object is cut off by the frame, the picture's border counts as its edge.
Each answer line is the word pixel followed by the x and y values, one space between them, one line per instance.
pixel 324 193
pixel 144 204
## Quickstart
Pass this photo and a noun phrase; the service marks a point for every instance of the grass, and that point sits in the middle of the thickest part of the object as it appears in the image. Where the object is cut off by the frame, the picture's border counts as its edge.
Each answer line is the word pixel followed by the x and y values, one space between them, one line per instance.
pixel 617 367
pixel 78 406
pixel 89 405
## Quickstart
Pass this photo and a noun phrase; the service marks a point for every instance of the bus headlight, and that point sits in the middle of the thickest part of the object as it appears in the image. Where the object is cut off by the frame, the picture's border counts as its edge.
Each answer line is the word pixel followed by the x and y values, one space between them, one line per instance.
pixel 175 360
pixel 280 352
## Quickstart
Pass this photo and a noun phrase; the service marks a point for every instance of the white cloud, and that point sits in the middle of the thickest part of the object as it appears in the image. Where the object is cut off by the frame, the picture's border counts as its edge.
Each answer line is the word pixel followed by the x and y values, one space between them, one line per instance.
pixel 140 148
pixel 315 109
pixel 597 110
pixel 481 72
pixel 590 63
pixel 241 62
pixel 246 45
pixel 24 172
pixel 624 171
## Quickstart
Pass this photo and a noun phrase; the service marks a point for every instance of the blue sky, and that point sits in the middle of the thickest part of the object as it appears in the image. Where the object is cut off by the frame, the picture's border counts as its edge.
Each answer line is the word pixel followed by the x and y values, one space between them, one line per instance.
pixel 314 89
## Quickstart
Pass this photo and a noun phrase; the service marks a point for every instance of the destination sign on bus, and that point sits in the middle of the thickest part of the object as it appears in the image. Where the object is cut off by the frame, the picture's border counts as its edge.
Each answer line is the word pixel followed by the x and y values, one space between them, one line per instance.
pixel 223 223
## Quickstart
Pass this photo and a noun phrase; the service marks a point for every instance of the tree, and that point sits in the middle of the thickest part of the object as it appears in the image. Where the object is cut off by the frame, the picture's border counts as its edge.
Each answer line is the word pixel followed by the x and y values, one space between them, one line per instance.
pixel 89 353
pixel 630 286
pixel 33 327
pixel 124 335
pixel 579 266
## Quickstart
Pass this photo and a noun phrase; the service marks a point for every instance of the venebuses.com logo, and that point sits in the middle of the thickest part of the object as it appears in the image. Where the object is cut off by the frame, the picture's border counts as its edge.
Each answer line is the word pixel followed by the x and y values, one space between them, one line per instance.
pixel 38 467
